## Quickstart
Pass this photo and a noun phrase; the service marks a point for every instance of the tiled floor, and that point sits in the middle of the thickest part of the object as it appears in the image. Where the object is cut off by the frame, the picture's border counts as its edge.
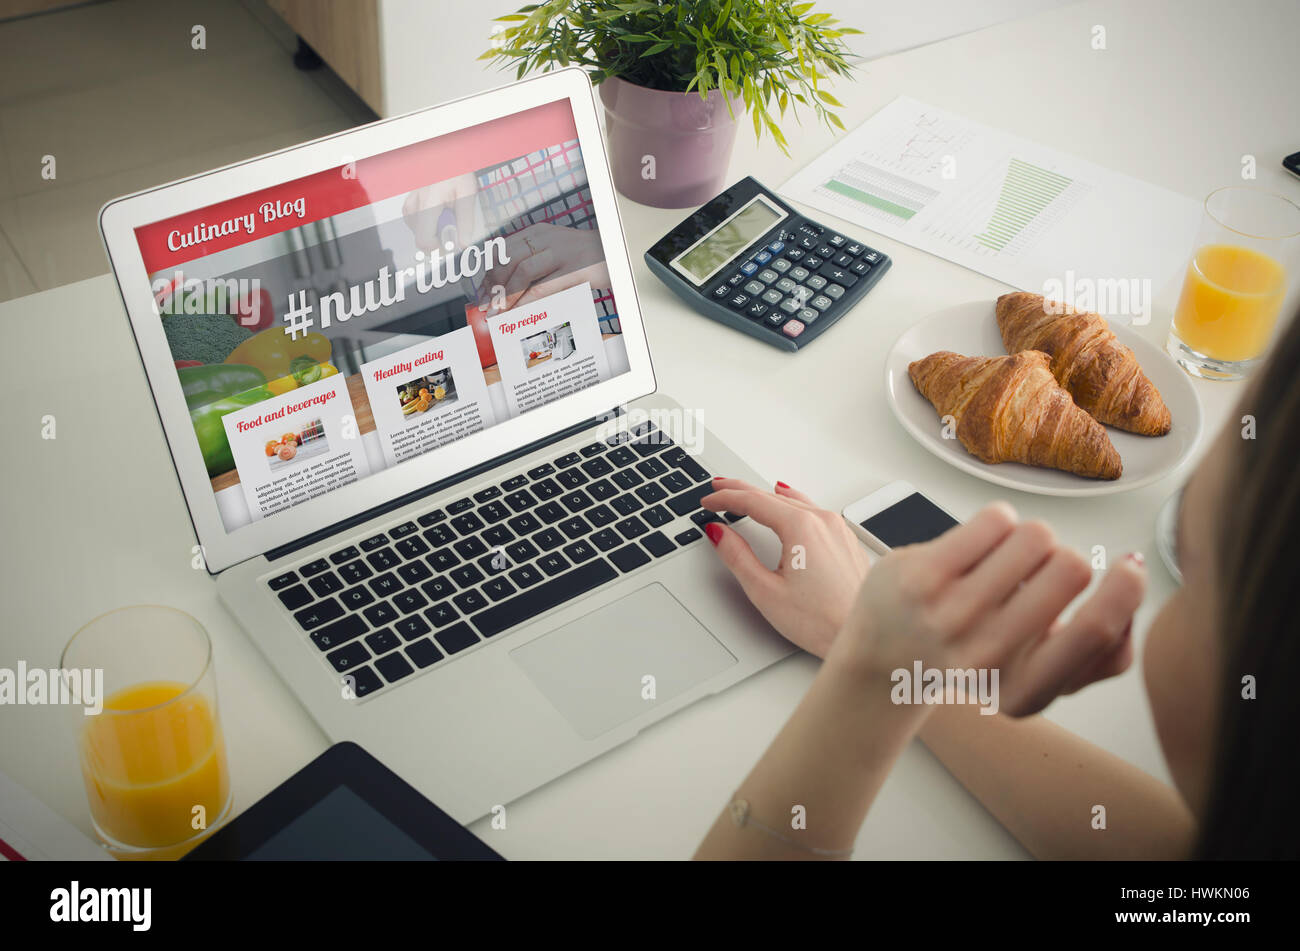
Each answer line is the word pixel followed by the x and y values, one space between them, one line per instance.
pixel 115 93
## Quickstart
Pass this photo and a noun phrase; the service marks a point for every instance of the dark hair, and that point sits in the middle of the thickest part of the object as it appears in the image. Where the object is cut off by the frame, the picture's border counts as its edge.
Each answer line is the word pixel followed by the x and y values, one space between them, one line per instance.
pixel 1253 809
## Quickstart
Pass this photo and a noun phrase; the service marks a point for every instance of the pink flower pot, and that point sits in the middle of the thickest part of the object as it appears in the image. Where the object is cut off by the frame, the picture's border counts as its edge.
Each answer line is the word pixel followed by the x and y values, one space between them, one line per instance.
pixel 668 149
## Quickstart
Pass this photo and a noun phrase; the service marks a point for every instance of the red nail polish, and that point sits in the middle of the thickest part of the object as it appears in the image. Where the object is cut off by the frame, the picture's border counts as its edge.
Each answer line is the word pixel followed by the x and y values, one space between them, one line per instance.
pixel 1137 557
pixel 718 478
pixel 714 531
pixel 781 485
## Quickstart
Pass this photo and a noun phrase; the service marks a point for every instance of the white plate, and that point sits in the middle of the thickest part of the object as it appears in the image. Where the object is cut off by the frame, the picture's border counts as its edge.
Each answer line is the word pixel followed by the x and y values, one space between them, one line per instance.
pixel 971 329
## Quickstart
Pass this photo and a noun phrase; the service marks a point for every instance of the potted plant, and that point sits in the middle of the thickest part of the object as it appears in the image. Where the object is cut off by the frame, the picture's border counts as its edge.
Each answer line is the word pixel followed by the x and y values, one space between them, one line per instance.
pixel 675 76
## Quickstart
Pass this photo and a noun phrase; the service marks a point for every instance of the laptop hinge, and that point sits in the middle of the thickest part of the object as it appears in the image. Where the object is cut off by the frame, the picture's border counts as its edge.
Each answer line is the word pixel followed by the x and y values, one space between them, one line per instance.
pixel 463 476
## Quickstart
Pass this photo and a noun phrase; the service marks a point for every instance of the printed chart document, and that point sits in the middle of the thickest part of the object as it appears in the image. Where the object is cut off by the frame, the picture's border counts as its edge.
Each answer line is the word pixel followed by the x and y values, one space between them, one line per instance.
pixel 428 395
pixel 1004 206
pixel 297 447
pixel 549 348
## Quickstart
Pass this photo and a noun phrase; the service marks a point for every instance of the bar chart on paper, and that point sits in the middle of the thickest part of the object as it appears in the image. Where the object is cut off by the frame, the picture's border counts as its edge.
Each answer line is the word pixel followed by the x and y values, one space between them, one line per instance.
pixel 992 202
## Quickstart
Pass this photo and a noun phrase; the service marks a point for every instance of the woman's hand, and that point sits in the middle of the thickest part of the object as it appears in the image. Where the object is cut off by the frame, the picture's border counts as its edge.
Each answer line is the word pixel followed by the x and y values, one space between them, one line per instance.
pixel 988 595
pixel 809 596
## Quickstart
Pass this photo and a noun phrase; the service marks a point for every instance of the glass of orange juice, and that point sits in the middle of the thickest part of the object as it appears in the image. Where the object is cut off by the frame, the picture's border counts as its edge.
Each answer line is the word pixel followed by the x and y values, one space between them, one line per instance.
pixel 153 760
pixel 1244 267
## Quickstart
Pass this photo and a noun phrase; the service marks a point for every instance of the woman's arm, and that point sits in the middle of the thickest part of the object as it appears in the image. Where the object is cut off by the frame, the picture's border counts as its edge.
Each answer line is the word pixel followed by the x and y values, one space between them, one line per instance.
pixel 825 765
pixel 1043 782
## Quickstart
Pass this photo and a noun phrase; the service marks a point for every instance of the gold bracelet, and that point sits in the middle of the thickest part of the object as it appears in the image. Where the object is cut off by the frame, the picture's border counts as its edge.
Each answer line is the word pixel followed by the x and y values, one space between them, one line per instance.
pixel 740 815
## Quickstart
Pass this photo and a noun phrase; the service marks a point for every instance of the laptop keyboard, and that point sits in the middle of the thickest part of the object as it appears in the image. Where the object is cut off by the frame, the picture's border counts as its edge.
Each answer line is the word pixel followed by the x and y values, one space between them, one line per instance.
pixel 421 592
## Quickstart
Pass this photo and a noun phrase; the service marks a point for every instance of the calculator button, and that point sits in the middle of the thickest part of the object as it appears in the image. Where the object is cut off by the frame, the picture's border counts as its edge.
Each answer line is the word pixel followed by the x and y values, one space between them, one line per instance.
pixel 860 267
pixel 843 260
pixel 825 251
pixel 767 275
pixel 748 268
pixel 739 301
pixel 816 282
pixel 791 306
pixel 781 265
pixel 762 257
pixel 735 279
pixel 802 294
pixel 807 242
pixel 754 287
pixel 812 262
pixel 807 315
pixel 756 310
pixel 786 285
pixel 776 247
pixel 872 257
pixel 799 273
pixel 792 328
pixel 854 249
pixel 837 240
pixel 794 254
pixel 833 291
pixel 772 296
pixel 837 274
pixel 721 291
pixel 821 302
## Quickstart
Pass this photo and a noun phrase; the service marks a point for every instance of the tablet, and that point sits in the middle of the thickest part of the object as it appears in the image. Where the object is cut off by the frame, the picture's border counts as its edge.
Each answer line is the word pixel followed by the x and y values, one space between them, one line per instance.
pixel 344 805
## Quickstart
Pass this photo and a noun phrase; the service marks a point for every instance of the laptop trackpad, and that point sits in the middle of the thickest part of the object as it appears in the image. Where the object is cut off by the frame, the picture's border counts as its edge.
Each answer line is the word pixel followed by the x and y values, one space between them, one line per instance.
pixel 595 669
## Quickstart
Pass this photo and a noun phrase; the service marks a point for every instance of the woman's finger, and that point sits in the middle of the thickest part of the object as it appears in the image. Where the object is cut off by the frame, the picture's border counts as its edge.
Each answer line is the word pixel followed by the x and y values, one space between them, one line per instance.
pixel 997 576
pixel 960 548
pixel 1034 607
pixel 778 514
pixel 790 493
pixel 759 582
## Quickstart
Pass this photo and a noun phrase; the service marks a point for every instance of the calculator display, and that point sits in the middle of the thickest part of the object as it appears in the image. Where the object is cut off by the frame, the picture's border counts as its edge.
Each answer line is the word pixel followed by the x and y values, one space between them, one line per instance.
pixel 708 255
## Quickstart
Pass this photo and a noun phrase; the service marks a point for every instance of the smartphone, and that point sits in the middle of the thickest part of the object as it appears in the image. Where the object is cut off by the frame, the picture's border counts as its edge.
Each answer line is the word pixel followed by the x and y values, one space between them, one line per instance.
pixel 894 516
pixel 1292 163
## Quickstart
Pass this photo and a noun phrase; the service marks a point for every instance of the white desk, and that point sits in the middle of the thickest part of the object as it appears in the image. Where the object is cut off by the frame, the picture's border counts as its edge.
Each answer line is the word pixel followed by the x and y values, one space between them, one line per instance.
pixel 95 519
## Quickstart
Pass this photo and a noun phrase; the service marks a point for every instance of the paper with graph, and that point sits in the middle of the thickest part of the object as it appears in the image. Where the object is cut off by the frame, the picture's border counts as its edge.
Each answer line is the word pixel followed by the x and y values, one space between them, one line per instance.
pixel 1004 206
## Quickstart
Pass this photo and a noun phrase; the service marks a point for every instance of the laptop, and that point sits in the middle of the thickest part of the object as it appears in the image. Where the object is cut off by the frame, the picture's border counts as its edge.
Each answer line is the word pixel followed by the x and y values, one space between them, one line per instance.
pixel 407 390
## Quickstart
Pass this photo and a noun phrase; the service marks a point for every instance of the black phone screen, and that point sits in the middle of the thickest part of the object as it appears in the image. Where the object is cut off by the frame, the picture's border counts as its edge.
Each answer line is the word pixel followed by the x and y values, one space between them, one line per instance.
pixel 914 519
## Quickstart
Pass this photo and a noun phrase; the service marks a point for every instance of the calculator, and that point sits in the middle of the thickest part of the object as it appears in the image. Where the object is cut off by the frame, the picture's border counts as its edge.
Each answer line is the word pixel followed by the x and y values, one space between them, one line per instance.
pixel 750 261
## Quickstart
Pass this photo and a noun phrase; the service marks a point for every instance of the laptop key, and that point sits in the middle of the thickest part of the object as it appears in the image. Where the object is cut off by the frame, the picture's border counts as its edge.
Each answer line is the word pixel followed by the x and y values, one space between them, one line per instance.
pixel 345 554
pixel 494 512
pixel 322 612
pixel 412 627
pixel 349 656
pixel 520 500
pixel 568 459
pixel 470 547
pixel 629 557
pixel 544 469
pixel 675 482
pixel 548 539
pixel 440 535
pixel 382 641
pixel 486 495
pixel 466 576
pixel 438 588
pixel 651 467
pixel 282 581
pixel 466 524
pixel 571 478
pixel 355 571
pixel 688 536
pixel 423 653
pixel 576 501
pixel 546 489
pixel 689 500
pixel 380 614
pixel 606 539
pixel 552 563
pixel 374 541
pixel 314 567
pixel 339 633
pixel 414 572
pixel 408 601
pixel 394 666
pixel 704 517
pixel 542 597
pixel 363 681
pixel 440 615
pixel 657 544
pixel 524 524
pixel 456 638
pixel 525 576
pixel 383 559
pixel 498 588
pixel 656 516
pixel 592 449
pixel 551 512
pixel 651 492
pixel 412 547
pixel 601 515
pixel 469 601
pixel 602 489
pixel 460 505
pixel 597 467
pixel 626 504
pixel 498 535
pixel 521 551
pixel 631 527
pixel 627 479
pixel 693 469
pixel 354 599
pixel 513 483
pixel 580 551
pixel 495 562
pixel 443 560
pixel 622 456
pixel 385 584
pixel 575 527
pixel 431 518
pixel 401 531
pixel 295 597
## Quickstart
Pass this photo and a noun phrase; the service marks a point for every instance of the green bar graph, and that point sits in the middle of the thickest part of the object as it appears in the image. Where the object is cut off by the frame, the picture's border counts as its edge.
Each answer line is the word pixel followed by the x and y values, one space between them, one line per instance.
pixel 1026 191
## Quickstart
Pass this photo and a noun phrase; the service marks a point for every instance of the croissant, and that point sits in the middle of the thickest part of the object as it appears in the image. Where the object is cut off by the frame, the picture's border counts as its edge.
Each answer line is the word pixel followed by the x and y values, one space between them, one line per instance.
pixel 1011 409
pixel 1101 373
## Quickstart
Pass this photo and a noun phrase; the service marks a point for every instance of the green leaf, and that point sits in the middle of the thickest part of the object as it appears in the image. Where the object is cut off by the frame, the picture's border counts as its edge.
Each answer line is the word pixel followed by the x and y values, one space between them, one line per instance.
pixel 835 120
pixel 824 96
pixel 657 48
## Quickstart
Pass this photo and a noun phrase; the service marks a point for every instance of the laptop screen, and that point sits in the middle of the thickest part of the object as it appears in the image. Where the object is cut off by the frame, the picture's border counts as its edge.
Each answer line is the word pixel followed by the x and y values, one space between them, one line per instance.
pixel 333 326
